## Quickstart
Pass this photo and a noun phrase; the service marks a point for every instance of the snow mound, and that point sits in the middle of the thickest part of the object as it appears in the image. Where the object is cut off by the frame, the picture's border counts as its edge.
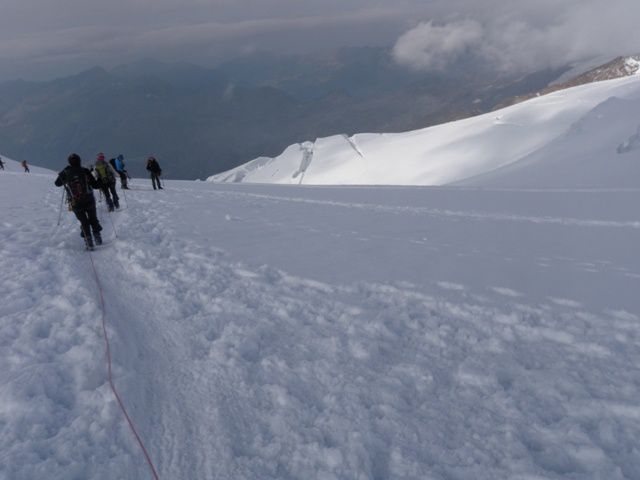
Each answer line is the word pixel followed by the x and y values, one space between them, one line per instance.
pixel 587 155
pixel 633 143
pixel 442 154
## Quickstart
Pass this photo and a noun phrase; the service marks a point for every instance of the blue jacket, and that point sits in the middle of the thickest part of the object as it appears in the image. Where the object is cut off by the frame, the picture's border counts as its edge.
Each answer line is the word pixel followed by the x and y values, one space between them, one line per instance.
pixel 119 163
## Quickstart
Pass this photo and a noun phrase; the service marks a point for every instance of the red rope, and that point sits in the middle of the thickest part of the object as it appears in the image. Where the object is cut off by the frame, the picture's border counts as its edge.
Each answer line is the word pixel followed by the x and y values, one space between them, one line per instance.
pixel 110 375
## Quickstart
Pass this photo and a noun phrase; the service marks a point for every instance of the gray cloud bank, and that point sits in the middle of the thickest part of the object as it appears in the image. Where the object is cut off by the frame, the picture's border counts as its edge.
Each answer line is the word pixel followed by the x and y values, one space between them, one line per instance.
pixel 56 37
pixel 547 34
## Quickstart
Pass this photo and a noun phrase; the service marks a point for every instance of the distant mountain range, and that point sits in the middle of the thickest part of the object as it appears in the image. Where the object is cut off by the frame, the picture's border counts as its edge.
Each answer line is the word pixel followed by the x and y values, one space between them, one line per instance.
pixel 198 121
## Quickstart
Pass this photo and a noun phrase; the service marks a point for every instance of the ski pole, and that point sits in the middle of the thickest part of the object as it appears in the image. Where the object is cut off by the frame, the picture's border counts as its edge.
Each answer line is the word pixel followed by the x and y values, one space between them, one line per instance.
pixel 124 194
pixel 112 224
pixel 60 210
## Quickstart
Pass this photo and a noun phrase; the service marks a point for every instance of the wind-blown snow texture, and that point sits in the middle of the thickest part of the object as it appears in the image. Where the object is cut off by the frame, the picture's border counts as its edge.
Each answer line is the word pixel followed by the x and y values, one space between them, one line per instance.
pixel 577 132
pixel 269 332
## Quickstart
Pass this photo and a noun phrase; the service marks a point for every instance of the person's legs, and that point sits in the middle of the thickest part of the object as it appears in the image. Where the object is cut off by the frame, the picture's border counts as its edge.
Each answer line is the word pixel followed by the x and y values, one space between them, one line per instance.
pixel 92 217
pixel 85 224
pixel 155 179
pixel 107 196
pixel 114 194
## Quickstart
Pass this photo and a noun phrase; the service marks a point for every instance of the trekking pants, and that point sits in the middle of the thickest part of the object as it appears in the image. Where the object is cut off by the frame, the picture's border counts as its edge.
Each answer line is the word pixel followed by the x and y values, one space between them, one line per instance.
pixel 110 194
pixel 123 179
pixel 155 178
pixel 88 218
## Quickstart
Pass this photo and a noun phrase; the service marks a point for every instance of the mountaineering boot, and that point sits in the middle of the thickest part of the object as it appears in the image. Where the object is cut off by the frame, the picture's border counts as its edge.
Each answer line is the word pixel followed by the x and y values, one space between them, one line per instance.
pixel 97 236
pixel 88 242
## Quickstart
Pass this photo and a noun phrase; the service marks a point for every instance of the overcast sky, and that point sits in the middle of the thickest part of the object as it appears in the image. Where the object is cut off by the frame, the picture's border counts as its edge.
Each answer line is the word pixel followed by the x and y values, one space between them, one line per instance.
pixel 44 38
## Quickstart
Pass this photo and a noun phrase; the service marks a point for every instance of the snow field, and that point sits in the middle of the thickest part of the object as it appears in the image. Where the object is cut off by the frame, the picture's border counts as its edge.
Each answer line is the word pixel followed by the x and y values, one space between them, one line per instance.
pixel 57 417
pixel 263 332
pixel 375 381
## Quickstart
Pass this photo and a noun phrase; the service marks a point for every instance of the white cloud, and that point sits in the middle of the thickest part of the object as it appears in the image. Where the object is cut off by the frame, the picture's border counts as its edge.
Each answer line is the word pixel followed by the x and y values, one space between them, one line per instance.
pixel 433 46
pixel 518 39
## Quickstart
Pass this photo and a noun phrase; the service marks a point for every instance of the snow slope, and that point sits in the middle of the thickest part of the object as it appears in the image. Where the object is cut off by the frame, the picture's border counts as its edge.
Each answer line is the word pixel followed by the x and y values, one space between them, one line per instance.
pixel 13 166
pixel 269 332
pixel 468 148
pixel 597 151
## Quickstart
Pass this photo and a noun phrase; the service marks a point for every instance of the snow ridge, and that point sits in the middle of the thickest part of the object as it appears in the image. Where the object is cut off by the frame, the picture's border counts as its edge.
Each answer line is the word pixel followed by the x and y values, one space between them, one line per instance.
pixel 307 158
pixel 459 151
pixel 354 145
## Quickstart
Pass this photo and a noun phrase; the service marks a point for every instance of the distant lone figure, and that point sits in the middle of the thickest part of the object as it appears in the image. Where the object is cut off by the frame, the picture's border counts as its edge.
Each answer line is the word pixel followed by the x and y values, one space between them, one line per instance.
pixel 79 184
pixel 1 164
pixel 155 170
pixel 25 166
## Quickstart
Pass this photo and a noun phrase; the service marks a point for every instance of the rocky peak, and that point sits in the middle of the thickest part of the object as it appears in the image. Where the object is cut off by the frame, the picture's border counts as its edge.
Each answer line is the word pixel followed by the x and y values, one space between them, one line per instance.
pixel 617 68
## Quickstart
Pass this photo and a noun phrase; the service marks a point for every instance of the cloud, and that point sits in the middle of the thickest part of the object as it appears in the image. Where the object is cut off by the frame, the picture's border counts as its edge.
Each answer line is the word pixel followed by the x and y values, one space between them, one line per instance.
pixel 546 34
pixel 515 35
pixel 192 30
pixel 433 46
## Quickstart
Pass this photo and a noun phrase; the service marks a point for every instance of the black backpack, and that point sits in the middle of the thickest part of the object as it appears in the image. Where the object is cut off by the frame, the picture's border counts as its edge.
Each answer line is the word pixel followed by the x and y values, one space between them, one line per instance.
pixel 77 186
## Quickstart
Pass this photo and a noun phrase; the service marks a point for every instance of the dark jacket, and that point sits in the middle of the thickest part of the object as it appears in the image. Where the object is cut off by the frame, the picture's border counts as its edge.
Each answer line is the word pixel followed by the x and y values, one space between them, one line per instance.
pixel 154 167
pixel 79 184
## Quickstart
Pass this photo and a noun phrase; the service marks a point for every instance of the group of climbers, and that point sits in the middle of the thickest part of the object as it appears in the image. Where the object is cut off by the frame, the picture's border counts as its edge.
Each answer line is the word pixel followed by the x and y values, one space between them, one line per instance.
pixel 79 183
pixel 23 163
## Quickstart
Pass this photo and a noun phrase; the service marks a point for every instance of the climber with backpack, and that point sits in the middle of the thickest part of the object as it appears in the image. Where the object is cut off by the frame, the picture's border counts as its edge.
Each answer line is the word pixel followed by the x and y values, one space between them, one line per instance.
pixel 118 165
pixel 106 177
pixel 79 184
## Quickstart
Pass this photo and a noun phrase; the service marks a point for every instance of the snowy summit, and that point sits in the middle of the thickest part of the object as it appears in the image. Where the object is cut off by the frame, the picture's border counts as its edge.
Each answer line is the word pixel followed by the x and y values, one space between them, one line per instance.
pixel 568 137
